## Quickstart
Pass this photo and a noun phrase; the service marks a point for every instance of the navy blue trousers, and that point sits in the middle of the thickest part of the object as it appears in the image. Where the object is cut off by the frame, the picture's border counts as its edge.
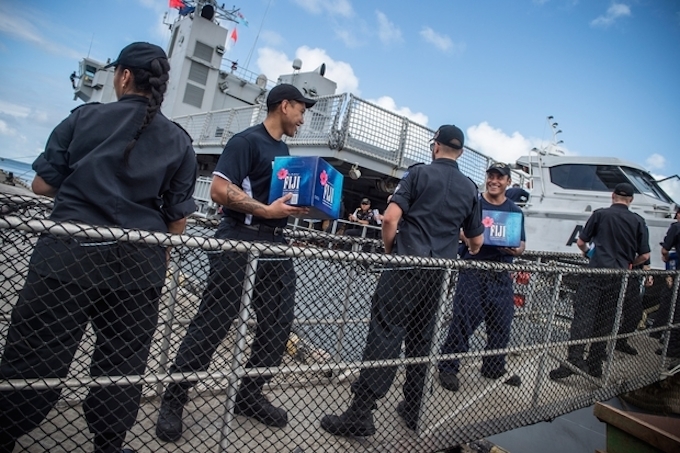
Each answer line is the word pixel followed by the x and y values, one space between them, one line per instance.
pixel 480 296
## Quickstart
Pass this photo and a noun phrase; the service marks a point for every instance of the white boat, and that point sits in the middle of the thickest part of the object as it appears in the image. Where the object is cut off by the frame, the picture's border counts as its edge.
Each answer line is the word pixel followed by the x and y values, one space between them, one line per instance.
pixel 212 98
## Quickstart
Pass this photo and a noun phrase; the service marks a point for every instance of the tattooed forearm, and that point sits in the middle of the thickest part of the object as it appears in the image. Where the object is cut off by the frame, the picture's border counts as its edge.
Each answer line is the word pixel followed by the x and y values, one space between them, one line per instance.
pixel 237 200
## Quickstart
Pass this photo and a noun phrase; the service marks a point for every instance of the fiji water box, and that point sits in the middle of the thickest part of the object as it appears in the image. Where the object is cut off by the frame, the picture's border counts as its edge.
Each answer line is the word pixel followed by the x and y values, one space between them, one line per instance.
pixel 313 182
pixel 502 228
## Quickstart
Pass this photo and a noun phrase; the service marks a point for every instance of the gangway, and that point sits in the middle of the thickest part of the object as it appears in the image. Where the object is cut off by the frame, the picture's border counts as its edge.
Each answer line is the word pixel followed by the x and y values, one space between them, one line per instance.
pixel 333 292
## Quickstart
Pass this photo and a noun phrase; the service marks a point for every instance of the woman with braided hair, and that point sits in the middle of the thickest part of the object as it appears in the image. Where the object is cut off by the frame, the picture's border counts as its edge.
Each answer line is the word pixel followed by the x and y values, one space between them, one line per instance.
pixel 122 164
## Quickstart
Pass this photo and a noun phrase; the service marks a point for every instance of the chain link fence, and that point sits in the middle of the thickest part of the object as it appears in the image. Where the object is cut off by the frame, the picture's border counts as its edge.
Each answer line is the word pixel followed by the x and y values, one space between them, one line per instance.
pixel 81 359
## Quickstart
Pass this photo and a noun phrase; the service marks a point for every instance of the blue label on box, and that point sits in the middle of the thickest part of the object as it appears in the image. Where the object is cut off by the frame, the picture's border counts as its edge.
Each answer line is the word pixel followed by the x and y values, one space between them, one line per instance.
pixel 502 228
pixel 313 183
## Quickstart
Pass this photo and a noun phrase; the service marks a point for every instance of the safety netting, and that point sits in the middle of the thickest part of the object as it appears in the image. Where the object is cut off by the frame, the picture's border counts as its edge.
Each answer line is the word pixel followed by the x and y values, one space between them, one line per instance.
pixel 253 343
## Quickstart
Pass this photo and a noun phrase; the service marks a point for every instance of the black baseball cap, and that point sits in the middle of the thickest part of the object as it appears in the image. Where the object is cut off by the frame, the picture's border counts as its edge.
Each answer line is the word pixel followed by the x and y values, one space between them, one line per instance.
pixel 365 201
pixel 287 92
pixel 624 189
pixel 138 55
pixel 447 133
pixel 499 167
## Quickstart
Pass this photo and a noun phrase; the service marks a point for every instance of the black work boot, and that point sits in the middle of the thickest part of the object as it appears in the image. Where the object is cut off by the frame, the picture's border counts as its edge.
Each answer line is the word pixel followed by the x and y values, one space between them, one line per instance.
pixel 169 424
pixel 253 404
pixel 357 420
pixel 409 413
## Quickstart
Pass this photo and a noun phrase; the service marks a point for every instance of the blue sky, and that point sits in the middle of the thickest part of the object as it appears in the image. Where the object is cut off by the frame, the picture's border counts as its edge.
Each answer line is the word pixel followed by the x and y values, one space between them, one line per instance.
pixel 608 71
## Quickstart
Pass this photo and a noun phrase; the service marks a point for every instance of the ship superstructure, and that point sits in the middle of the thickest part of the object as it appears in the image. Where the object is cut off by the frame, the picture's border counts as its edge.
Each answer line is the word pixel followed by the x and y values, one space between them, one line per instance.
pixel 213 99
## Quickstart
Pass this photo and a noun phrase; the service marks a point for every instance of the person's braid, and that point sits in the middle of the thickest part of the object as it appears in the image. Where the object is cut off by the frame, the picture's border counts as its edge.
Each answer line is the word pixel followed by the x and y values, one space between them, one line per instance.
pixel 156 82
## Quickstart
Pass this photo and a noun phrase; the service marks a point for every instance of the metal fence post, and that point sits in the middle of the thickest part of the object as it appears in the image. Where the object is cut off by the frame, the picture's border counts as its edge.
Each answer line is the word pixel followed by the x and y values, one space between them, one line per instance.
pixel 236 370
pixel 615 329
pixel 546 341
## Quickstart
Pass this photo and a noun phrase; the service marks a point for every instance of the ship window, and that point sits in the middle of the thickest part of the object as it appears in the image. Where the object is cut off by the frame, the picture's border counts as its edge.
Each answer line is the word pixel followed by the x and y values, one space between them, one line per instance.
pixel 645 184
pixel 193 95
pixel 597 178
pixel 198 73
pixel 203 51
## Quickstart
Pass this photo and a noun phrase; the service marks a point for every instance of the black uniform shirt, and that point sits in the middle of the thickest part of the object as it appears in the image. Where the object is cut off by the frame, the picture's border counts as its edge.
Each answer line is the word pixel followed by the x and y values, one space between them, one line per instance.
pixel 247 161
pixel 83 160
pixel 672 239
pixel 436 200
pixel 619 236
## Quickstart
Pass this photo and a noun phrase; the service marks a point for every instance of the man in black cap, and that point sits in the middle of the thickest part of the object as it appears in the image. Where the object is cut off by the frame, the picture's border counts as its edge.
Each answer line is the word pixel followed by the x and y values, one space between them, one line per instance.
pixel 484 295
pixel 240 184
pixel 620 240
pixel 430 205
pixel 363 215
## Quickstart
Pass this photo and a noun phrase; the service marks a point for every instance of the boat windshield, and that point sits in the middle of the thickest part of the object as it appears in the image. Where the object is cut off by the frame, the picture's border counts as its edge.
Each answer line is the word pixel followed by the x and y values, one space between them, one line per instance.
pixel 644 183
pixel 603 178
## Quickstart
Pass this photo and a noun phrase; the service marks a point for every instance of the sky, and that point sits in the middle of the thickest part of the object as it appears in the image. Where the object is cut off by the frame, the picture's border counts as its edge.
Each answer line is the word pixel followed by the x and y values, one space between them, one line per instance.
pixel 608 72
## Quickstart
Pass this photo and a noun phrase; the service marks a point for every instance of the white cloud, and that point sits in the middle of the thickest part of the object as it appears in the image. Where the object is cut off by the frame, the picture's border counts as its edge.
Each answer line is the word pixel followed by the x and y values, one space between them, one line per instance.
pixel 614 12
pixel 387 31
pixel 388 103
pixel 655 162
pixel 503 147
pixel 5 129
pixel 271 38
pixel 497 144
pixel 441 42
pixel 350 39
pixel 273 63
pixel 24 24
pixel 332 7
pixel 15 110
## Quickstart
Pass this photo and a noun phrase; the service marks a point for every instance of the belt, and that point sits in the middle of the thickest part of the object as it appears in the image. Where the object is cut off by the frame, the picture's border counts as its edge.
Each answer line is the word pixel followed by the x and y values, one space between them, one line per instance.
pixel 275 231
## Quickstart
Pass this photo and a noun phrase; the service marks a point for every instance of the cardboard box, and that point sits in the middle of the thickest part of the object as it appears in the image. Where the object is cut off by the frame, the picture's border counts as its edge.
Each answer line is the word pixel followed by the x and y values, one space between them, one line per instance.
pixel 502 228
pixel 313 182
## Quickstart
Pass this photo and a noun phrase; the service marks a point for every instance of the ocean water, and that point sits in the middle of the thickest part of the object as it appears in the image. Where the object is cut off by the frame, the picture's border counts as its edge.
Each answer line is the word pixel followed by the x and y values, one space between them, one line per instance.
pixel 21 170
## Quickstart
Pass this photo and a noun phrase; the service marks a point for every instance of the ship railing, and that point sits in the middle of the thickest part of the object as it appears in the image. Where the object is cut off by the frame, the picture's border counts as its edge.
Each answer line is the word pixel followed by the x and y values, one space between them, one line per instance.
pixel 334 290
pixel 340 122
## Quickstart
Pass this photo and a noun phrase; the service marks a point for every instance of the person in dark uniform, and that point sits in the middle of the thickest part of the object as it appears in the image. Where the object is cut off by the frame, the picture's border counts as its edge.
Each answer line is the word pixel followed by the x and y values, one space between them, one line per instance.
pixel 671 242
pixel 621 241
pixel 363 215
pixel 430 205
pixel 241 182
pixel 484 295
pixel 121 164
pixel 517 194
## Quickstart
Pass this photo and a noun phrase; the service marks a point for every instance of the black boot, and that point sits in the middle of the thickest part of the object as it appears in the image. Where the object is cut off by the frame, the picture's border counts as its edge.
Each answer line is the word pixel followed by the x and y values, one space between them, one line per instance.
pixel 250 402
pixel 169 424
pixel 409 413
pixel 357 420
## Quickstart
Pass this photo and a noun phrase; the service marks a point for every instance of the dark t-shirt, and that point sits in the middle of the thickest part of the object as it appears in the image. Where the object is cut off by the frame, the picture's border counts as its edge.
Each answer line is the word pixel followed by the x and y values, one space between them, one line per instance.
pixel 436 200
pixel 619 236
pixel 491 253
pixel 247 161
pixel 672 239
